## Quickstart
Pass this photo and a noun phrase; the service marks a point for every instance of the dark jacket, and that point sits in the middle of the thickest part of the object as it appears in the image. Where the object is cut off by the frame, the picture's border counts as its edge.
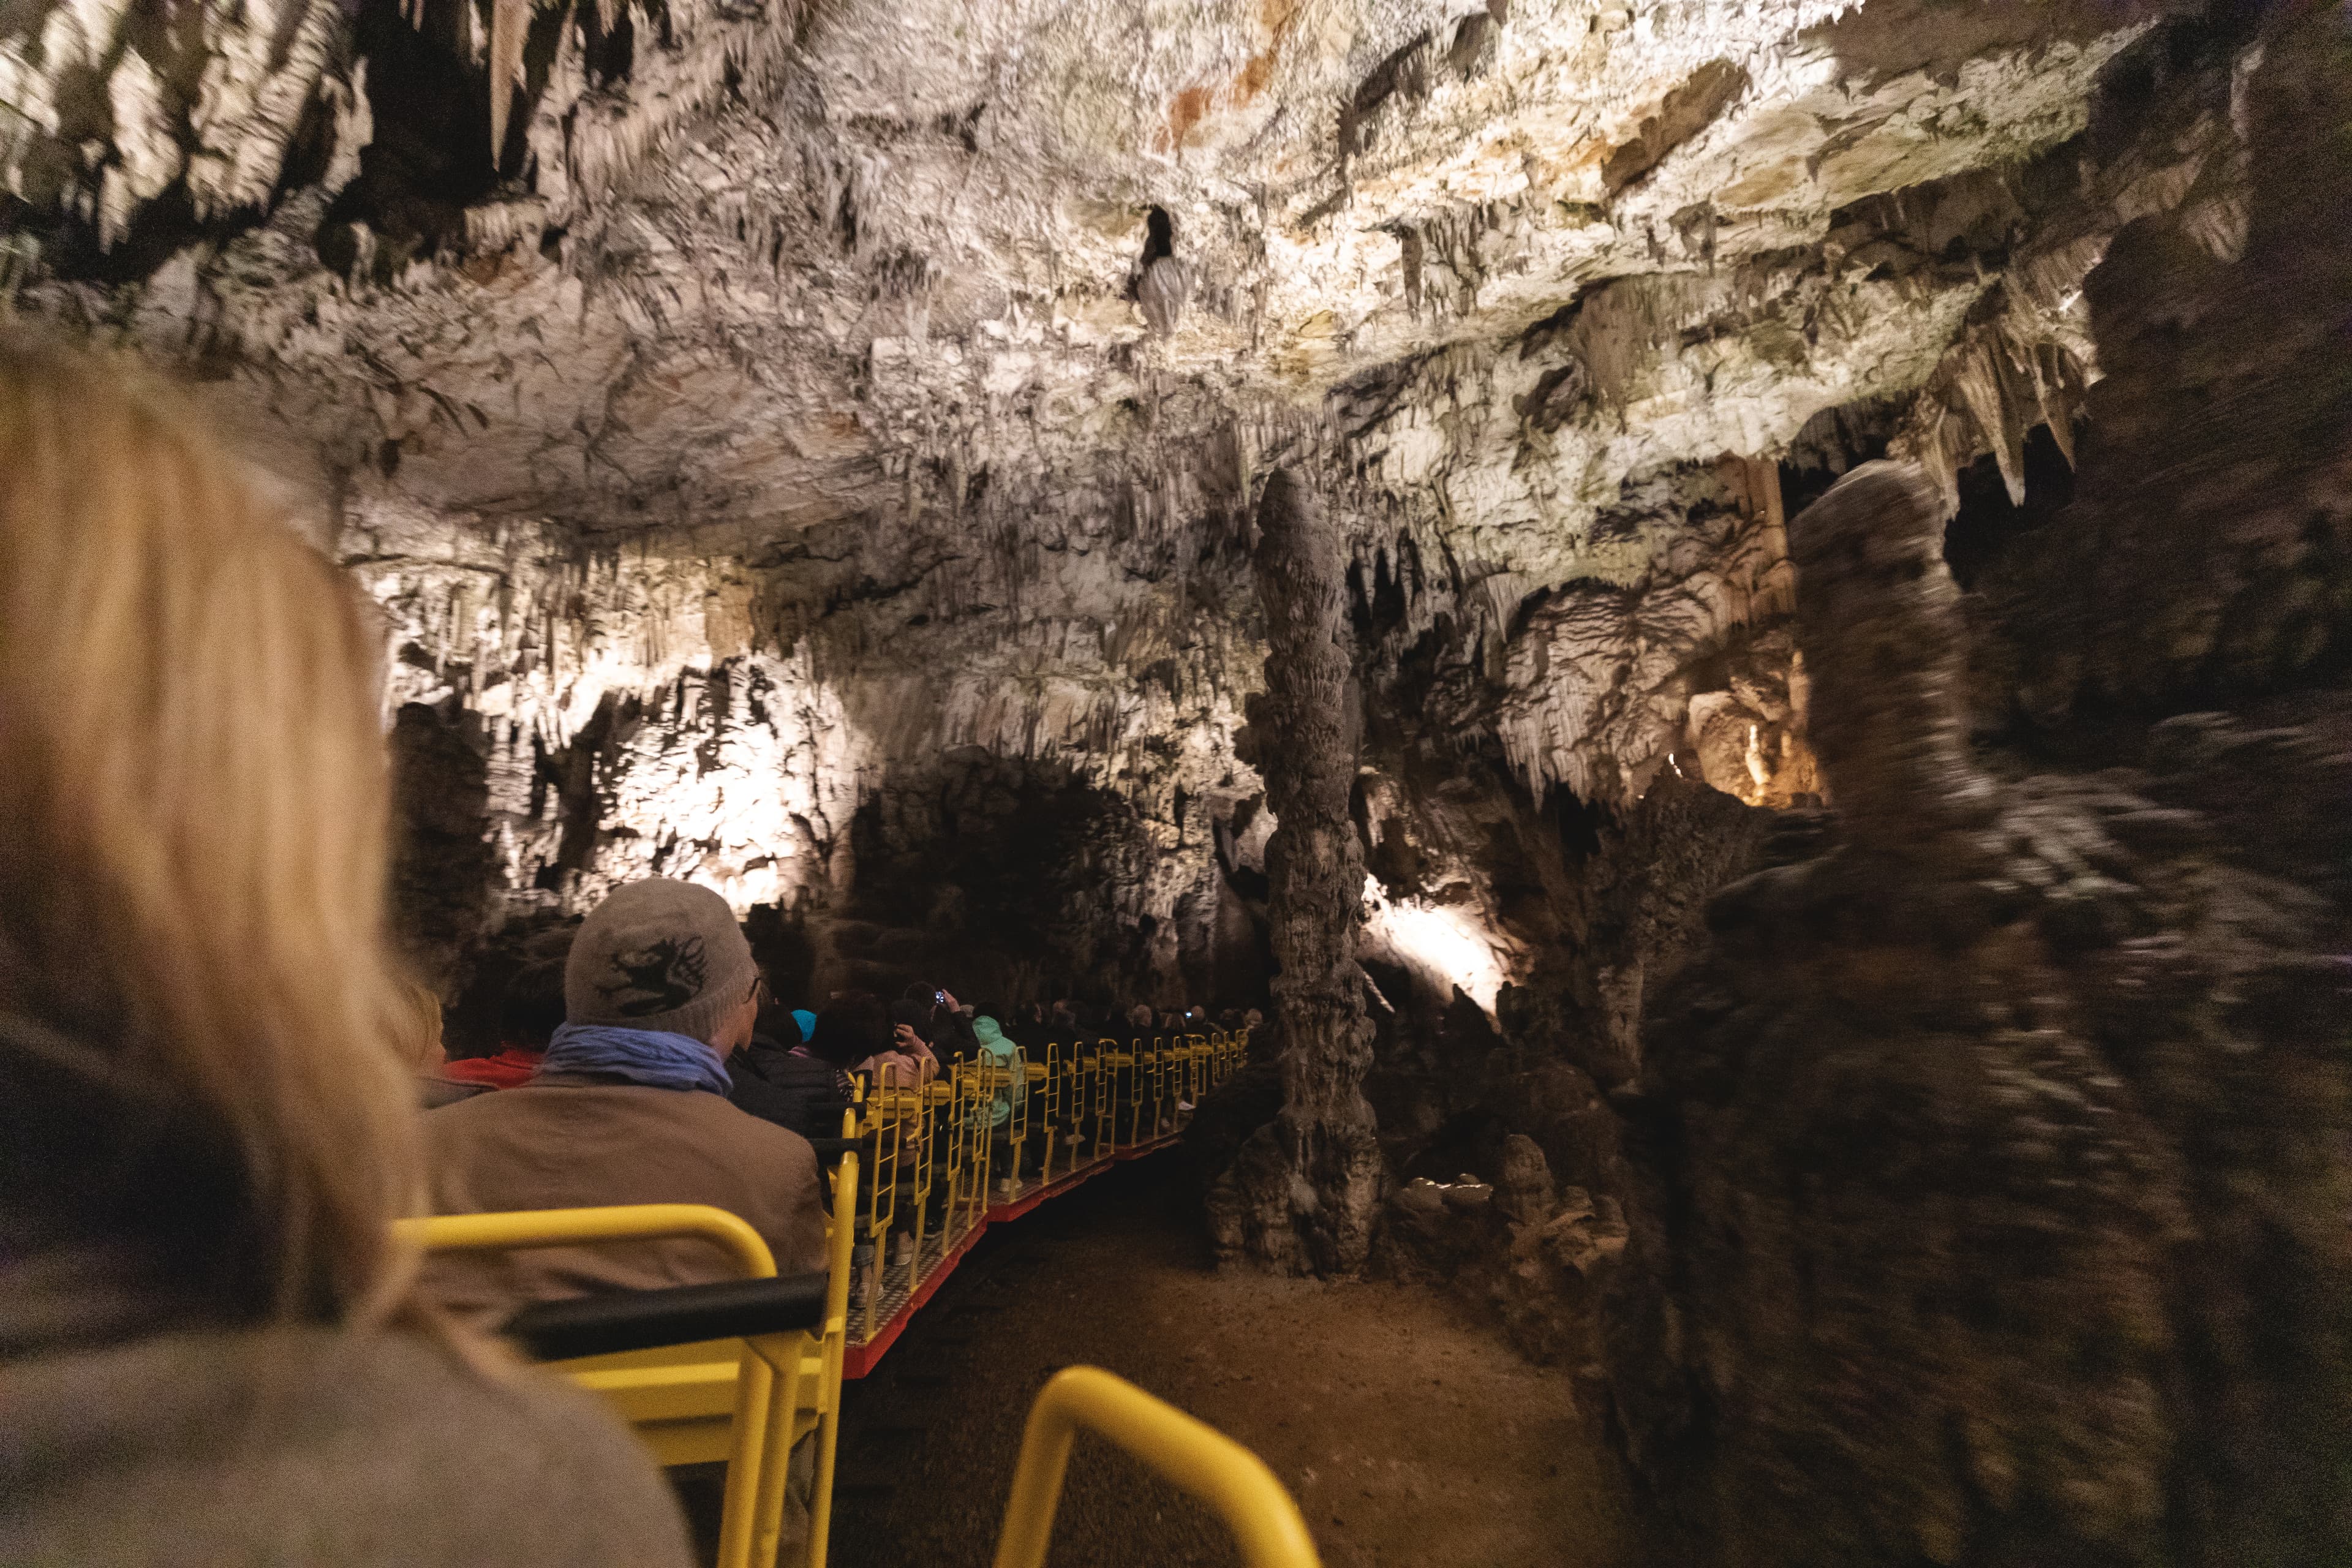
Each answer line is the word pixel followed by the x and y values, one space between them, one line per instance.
pixel 951 1035
pixel 793 1088
pixel 138 1431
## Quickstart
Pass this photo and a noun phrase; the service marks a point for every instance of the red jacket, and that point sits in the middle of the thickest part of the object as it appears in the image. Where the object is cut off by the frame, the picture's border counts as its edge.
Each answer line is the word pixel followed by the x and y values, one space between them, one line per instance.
pixel 511 1067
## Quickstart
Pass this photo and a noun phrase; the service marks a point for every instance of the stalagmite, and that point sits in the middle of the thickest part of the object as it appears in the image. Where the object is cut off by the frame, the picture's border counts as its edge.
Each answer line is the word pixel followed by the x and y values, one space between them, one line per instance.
pixel 1311 1179
pixel 1886 720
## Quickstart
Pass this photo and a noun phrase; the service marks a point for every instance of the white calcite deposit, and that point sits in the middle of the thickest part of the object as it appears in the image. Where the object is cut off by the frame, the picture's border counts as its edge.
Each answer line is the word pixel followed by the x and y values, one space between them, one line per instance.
pixel 804 398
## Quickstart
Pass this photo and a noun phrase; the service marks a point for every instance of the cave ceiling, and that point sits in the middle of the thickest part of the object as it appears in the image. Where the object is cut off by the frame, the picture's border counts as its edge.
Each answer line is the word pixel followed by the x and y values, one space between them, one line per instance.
pixel 801 396
pixel 755 270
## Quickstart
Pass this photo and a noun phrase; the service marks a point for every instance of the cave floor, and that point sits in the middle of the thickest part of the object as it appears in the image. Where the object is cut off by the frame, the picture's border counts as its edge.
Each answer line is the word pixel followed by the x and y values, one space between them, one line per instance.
pixel 1409 1431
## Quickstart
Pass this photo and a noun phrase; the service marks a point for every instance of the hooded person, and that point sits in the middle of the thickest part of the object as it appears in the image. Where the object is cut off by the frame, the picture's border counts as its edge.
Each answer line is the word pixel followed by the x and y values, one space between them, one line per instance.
pixel 630 1106
pixel 1000 1050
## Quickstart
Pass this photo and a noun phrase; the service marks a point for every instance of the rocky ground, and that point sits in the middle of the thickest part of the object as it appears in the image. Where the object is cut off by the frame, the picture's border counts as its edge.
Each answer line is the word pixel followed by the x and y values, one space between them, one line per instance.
pixel 1410 1432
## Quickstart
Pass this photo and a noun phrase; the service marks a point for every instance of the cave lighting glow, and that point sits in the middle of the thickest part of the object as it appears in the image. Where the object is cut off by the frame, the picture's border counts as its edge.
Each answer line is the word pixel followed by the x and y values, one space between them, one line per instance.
pixel 1446 942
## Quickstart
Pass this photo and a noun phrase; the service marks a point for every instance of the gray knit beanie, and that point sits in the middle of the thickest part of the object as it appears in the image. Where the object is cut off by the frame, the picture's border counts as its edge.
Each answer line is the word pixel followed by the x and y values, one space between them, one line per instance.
pixel 658 954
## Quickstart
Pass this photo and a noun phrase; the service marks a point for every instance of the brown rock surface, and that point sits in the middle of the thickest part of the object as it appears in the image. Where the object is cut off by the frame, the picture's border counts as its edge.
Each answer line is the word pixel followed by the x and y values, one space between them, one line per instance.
pixel 1989 1174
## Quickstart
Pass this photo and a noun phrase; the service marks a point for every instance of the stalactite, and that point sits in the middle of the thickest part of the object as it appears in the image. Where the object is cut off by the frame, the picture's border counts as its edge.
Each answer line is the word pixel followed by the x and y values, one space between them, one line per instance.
pixel 509 22
pixel 1309 1183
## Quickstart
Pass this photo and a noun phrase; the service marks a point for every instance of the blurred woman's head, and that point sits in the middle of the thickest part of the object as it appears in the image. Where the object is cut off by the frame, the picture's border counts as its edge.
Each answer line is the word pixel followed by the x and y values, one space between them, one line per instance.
pixel 417 1038
pixel 531 1009
pixel 198 1019
pixel 853 1027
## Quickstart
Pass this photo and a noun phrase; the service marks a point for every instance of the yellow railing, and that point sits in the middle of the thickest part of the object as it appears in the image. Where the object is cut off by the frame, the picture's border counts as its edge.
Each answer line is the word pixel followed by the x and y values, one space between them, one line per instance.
pixel 1195 1456
pixel 1088 1102
pixel 762 1421
pixel 566 1228
pixel 941 1162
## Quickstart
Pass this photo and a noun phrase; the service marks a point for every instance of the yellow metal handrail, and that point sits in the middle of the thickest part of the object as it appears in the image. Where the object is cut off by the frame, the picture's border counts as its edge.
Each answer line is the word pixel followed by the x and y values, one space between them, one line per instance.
pixel 1107 1061
pixel 1158 1060
pixel 751 1513
pixel 767 1524
pixel 1057 1064
pixel 561 1227
pixel 751 1516
pixel 1191 1454
pixel 885 1124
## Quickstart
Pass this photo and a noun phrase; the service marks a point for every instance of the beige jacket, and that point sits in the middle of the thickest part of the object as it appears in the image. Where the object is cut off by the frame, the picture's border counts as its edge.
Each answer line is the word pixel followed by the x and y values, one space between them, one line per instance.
pixel 307 1448
pixel 574 1144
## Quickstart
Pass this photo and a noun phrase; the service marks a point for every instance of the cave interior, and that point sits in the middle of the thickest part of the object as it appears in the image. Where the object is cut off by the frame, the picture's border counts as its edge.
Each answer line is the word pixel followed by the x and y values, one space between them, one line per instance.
pixel 1733 614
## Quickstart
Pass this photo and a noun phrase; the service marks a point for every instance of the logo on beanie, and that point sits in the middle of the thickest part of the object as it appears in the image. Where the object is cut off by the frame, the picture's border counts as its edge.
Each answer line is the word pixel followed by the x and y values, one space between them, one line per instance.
pixel 657 979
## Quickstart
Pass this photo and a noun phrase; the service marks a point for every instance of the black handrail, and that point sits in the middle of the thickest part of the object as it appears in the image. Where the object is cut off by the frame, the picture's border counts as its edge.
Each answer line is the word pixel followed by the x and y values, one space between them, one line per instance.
pixel 679 1315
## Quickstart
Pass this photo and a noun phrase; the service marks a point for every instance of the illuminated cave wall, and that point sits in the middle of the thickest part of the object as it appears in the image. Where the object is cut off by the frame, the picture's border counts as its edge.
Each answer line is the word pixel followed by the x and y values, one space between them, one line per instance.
pixel 1550 612
pixel 1049 794
pixel 818 442
pixel 1024 807
pixel 812 452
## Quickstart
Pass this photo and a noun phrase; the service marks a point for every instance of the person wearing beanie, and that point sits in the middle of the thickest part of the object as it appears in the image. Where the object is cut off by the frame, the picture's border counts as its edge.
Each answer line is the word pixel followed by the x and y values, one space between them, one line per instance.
pixel 629 1106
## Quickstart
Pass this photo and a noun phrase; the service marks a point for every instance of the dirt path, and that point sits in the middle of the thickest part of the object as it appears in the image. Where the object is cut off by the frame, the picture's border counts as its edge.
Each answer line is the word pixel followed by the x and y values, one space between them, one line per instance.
pixel 1409 1434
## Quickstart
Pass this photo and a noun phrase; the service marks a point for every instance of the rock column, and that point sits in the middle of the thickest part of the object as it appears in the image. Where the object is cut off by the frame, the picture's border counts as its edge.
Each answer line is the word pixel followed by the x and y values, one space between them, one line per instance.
pixel 1309 1183
pixel 1879 619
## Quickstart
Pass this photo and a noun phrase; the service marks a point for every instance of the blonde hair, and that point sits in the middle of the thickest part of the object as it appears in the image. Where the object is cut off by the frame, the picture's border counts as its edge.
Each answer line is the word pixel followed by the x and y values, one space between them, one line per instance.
pixel 417 1029
pixel 192 820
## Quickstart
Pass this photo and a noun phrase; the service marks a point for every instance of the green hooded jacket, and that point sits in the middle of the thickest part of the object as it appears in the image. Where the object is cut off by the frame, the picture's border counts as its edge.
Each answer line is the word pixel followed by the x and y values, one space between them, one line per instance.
pixel 1006 1055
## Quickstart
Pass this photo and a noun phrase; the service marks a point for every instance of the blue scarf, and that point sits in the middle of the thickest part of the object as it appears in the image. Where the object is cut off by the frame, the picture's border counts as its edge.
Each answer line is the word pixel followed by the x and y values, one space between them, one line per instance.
pixel 653 1057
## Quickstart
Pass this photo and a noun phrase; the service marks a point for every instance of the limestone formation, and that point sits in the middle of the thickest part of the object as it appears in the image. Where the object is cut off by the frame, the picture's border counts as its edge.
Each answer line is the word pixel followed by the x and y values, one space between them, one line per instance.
pixel 1309 1181
pixel 2212 541
pixel 805 417
pixel 1878 615
pixel 909 346
pixel 1951 1235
